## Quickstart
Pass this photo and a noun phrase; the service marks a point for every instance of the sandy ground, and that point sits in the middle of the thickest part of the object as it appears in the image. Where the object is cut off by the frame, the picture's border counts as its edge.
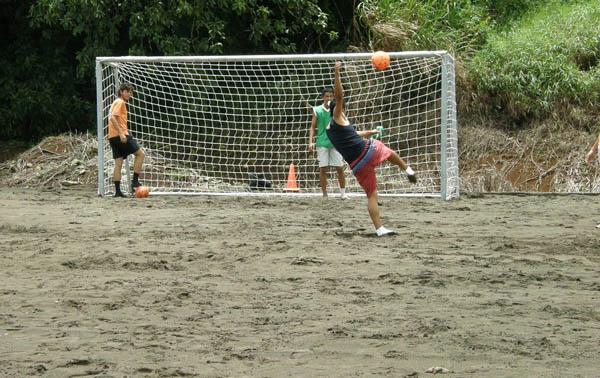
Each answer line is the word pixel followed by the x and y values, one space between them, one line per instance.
pixel 483 286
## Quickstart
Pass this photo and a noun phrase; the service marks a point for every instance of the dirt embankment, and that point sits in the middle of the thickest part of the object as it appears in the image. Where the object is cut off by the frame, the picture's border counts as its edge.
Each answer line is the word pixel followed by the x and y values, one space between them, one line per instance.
pixel 541 159
pixel 58 161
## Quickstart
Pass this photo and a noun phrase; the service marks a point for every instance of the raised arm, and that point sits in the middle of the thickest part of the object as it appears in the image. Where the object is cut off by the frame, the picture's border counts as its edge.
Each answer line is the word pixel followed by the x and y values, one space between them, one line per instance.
pixel 338 92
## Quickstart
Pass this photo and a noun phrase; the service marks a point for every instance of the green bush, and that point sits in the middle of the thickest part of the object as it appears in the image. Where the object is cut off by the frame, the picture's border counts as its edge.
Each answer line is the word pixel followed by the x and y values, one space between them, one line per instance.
pixel 47 71
pixel 185 27
pixel 506 12
pixel 457 26
pixel 546 62
pixel 40 92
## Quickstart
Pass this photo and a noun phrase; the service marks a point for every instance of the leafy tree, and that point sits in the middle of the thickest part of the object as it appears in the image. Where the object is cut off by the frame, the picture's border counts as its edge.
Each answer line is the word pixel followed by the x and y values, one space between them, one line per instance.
pixel 47 69
pixel 38 88
pixel 185 27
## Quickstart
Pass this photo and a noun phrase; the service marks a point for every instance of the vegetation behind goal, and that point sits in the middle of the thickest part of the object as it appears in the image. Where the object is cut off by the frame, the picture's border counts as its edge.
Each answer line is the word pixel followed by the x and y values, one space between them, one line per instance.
pixel 214 124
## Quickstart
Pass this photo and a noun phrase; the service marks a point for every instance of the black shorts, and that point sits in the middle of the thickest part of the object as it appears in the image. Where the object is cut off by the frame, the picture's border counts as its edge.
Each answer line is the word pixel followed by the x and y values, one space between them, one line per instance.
pixel 122 150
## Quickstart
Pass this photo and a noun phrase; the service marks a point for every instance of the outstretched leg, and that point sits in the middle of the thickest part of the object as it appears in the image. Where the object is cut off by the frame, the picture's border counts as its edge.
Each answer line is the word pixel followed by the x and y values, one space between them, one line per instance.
pixel 397 160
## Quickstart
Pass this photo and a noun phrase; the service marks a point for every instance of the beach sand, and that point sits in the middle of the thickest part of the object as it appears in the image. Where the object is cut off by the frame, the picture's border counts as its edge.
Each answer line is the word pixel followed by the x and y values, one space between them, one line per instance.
pixel 211 286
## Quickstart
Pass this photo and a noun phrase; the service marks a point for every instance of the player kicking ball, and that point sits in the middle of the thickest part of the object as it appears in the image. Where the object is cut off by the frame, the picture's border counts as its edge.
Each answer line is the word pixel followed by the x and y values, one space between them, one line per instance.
pixel 362 155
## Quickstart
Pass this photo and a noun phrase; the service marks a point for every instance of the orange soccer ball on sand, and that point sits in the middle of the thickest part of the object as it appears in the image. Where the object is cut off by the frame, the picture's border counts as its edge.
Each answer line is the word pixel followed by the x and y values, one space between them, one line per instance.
pixel 142 192
pixel 380 60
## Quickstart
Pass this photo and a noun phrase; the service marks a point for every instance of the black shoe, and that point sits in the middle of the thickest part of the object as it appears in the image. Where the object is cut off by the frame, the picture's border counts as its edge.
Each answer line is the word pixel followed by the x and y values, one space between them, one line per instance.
pixel 412 178
pixel 134 186
pixel 120 195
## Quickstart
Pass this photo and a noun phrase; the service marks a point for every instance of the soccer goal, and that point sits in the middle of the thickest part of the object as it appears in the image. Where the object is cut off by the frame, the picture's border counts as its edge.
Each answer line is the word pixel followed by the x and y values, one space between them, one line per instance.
pixel 236 124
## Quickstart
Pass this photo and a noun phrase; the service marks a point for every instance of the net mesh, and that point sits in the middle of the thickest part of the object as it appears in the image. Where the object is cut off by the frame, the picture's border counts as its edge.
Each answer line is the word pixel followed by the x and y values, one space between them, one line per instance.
pixel 214 125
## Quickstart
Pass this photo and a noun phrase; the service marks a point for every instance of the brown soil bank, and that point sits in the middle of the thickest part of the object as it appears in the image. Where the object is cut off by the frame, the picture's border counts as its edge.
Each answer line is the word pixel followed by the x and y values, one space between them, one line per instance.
pixel 546 158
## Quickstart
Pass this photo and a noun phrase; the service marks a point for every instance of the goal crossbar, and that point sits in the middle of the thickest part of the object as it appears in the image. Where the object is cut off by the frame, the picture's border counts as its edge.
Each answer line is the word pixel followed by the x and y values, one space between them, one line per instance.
pixel 257 58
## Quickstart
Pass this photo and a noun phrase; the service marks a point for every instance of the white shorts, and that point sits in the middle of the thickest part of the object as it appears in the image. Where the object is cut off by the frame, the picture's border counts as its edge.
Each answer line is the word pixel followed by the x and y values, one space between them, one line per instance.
pixel 329 157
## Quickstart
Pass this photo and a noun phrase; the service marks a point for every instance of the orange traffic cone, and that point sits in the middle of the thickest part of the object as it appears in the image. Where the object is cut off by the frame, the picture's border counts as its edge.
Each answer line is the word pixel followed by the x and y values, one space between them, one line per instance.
pixel 291 185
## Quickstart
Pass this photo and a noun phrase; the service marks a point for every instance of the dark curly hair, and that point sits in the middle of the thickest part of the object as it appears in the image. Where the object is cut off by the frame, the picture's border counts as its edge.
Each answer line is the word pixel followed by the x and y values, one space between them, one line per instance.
pixel 326 90
pixel 124 87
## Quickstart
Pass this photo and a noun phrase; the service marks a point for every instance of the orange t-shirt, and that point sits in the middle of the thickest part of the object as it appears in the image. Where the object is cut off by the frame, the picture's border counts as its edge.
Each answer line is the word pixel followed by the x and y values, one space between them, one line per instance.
pixel 119 110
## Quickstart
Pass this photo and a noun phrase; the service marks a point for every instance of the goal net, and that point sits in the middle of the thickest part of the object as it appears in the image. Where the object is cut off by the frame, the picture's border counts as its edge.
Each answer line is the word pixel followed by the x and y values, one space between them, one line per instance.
pixel 237 124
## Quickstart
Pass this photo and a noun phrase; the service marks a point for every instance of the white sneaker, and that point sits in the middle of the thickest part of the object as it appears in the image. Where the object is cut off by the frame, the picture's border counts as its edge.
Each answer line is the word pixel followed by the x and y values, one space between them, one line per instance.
pixel 382 231
pixel 344 196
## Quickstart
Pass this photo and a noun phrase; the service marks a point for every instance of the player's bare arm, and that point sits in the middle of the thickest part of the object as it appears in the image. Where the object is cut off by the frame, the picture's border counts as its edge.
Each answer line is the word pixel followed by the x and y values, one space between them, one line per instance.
pixel 338 92
pixel 311 137
pixel 367 133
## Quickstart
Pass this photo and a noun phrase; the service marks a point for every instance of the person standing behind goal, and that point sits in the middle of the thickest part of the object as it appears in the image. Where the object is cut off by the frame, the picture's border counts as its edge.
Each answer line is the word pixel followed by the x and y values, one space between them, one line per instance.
pixel 121 143
pixel 326 153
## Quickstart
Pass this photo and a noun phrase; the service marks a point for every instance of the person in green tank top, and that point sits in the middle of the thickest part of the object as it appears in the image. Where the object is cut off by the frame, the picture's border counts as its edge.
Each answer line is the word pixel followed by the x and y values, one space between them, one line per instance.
pixel 326 153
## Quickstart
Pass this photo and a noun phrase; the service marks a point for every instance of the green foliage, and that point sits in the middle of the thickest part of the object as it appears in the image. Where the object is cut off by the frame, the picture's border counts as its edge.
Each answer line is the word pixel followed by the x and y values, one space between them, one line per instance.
pixel 185 27
pixel 524 58
pixel 550 59
pixel 505 12
pixel 48 76
pixel 396 25
pixel 38 90
pixel 459 26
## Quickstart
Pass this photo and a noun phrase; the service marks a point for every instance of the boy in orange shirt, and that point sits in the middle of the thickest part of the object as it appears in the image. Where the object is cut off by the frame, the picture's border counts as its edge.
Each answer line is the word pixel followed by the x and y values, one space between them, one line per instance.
pixel 121 143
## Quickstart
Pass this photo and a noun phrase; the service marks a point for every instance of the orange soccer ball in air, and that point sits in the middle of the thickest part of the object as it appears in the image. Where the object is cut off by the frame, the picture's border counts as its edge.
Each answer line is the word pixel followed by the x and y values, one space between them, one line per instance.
pixel 380 60
pixel 142 192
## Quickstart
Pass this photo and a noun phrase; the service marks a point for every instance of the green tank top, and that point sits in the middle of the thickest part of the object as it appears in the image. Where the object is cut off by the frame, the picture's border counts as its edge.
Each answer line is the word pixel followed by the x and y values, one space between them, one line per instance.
pixel 323 118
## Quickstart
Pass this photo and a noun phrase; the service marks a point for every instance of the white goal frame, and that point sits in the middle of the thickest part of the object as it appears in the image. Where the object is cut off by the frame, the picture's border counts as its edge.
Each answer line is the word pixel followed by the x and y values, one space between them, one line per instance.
pixel 206 123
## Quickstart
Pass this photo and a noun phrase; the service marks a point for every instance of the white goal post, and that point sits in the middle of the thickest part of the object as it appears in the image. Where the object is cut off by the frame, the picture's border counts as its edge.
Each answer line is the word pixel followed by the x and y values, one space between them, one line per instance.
pixel 236 124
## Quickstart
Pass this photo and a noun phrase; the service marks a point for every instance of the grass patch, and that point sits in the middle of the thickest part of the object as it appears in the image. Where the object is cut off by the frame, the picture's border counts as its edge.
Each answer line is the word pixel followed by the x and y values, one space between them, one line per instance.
pixel 547 62
pixel 460 26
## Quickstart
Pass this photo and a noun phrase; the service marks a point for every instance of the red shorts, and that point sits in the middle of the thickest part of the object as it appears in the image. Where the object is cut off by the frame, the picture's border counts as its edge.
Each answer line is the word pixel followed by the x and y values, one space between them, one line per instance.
pixel 366 176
